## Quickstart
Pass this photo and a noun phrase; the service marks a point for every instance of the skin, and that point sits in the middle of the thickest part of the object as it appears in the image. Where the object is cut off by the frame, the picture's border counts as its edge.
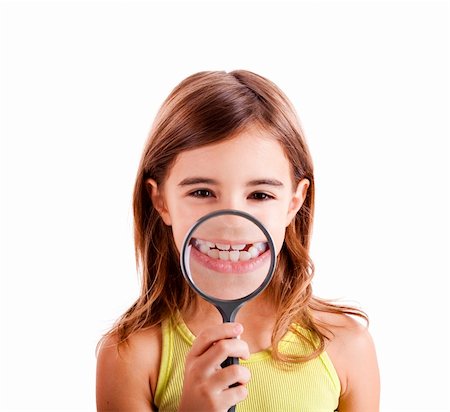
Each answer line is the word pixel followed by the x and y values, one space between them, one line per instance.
pixel 212 178
pixel 200 181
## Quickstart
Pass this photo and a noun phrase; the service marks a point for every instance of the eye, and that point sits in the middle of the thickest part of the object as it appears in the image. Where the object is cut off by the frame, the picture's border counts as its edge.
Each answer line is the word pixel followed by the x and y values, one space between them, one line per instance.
pixel 260 196
pixel 201 193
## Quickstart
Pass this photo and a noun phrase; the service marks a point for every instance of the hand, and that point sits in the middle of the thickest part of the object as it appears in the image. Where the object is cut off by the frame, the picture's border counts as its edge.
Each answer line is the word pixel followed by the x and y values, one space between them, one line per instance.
pixel 206 385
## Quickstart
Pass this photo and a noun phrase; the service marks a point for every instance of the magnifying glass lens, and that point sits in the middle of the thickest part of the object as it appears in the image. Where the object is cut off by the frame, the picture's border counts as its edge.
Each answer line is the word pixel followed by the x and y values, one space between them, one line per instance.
pixel 229 257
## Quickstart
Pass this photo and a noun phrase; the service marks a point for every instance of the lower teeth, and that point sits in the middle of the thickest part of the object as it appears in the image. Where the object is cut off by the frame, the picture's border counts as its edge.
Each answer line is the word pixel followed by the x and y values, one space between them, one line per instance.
pixel 232 255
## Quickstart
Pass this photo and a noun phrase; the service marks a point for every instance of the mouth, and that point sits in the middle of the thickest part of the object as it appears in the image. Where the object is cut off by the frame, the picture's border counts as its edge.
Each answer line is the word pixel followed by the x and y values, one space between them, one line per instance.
pixel 230 257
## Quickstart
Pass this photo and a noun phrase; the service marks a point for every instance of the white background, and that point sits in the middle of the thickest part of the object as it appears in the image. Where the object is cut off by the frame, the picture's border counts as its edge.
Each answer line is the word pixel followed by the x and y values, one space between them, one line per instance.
pixel 80 85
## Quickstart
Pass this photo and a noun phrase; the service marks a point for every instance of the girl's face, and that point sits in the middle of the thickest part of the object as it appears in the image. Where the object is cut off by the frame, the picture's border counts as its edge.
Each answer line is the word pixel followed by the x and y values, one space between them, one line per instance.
pixel 249 172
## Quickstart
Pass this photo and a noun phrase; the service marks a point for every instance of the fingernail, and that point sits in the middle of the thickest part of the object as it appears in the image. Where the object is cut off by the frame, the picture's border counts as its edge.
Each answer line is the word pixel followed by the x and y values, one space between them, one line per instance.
pixel 238 329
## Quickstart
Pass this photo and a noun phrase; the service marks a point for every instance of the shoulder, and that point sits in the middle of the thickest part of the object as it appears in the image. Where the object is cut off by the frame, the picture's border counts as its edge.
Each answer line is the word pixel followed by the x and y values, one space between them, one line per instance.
pixel 352 351
pixel 341 328
pixel 127 373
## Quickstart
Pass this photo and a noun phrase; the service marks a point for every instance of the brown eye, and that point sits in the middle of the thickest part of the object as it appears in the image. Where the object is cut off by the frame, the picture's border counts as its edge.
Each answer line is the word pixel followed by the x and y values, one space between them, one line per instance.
pixel 261 196
pixel 201 193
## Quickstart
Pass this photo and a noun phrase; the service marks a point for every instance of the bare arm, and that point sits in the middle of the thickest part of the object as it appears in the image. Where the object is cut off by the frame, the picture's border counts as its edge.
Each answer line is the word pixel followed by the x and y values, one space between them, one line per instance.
pixel 352 352
pixel 362 386
pixel 126 378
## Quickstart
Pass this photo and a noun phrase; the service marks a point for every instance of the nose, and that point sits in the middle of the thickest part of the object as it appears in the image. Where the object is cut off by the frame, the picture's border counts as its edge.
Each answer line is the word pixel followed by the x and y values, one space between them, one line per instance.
pixel 239 226
pixel 232 228
pixel 234 203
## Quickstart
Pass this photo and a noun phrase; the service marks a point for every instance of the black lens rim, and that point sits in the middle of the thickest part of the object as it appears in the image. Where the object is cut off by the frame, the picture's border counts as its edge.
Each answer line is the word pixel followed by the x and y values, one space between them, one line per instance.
pixel 185 256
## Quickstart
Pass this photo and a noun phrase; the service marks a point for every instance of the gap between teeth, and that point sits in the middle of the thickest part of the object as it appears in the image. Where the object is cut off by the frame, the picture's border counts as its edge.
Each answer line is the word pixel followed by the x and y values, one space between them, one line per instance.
pixel 236 253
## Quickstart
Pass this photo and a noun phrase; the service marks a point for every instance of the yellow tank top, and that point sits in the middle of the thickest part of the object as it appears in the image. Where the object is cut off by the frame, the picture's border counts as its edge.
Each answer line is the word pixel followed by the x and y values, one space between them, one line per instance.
pixel 311 386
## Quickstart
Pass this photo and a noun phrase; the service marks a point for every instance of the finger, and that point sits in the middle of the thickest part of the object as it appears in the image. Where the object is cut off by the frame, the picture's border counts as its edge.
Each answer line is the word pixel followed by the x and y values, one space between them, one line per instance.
pixel 213 334
pixel 232 396
pixel 230 375
pixel 220 351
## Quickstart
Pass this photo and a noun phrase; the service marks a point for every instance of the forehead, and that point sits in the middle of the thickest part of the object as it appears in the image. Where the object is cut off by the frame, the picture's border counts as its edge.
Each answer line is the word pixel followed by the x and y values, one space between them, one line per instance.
pixel 248 155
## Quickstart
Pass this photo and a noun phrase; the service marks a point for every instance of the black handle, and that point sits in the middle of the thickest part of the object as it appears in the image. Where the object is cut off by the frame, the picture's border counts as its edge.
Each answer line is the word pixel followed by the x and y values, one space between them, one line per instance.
pixel 231 361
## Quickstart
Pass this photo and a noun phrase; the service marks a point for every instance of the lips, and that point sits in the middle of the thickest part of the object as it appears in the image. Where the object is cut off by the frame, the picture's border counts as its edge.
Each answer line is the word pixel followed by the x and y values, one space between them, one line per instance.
pixel 228 257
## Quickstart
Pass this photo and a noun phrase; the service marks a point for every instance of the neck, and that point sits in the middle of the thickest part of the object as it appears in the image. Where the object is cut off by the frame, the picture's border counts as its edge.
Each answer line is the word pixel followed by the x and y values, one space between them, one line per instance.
pixel 258 317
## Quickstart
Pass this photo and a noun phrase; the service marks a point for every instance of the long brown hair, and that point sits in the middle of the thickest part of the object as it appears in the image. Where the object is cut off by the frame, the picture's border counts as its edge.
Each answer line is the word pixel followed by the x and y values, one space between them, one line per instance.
pixel 206 108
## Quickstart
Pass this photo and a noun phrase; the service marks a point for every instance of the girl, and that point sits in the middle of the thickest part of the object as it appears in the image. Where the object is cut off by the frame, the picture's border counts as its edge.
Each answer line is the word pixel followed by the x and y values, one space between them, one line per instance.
pixel 231 141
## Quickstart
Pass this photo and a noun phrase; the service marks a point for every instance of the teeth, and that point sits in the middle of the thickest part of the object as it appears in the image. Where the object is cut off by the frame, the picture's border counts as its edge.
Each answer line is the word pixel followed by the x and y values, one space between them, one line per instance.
pixel 207 243
pixel 213 253
pixel 243 256
pixel 253 251
pixel 234 253
pixel 261 246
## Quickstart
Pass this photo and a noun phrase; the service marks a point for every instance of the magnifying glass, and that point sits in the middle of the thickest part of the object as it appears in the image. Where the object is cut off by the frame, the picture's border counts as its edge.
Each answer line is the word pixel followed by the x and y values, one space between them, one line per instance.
pixel 228 258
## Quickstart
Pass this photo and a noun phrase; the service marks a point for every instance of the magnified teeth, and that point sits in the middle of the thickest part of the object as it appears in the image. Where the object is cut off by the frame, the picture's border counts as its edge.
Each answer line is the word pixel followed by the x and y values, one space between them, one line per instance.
pixel 213 253
pixel 200 242
pixel 234 255
pixel 243 256
pixel 253 251
pixel 261 246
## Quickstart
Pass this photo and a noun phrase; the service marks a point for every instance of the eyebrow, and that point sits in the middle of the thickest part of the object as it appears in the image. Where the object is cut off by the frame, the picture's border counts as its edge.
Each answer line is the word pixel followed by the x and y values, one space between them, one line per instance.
pixel 268 182
pixel 189 181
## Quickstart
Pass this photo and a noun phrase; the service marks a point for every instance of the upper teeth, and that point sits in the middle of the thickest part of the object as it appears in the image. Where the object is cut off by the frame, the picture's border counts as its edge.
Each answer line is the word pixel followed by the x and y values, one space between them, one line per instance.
pixel 230 252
